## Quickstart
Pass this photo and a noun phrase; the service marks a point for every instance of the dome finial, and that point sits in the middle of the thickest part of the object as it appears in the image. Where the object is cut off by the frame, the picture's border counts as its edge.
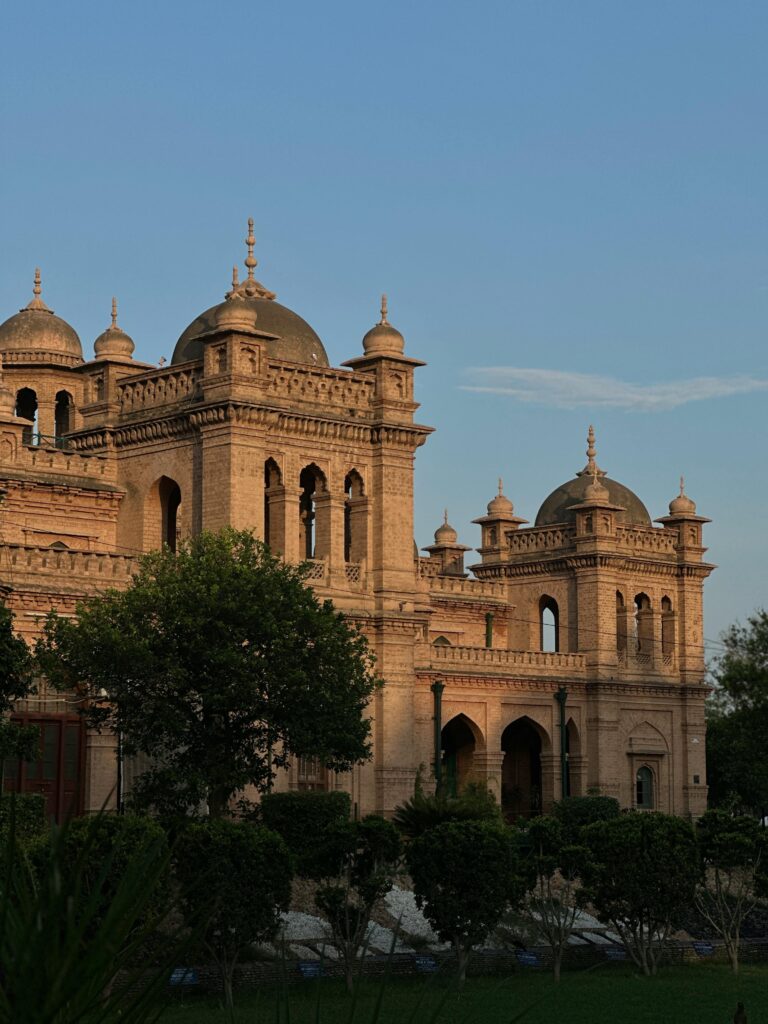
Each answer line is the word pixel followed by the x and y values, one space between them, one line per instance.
pixel 682 485
pixel 114 313
pixel 37 290
pixel 682 504
pixel 250 259
pixel 445 517
pixel 501 487
pixel 384 310
pixel 591 465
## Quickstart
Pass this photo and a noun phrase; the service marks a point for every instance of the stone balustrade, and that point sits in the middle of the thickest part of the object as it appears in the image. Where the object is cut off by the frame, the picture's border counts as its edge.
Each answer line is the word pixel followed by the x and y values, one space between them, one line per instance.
pixel 168 386
pixel 469 588
pixel 545 538
pixel 66 562
pixel 483 658
pixel 316 384
pixel 65 463
pixel 646 538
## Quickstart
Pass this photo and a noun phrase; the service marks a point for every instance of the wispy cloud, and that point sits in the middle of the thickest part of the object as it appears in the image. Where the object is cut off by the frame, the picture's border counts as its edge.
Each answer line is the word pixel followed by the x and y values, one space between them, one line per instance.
pixel 565 390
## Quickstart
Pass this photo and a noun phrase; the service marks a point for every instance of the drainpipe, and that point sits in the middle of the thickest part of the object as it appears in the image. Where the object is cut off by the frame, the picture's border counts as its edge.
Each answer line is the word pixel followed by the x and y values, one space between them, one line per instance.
pixel 561 696
pixel 489 629
pixel 437 690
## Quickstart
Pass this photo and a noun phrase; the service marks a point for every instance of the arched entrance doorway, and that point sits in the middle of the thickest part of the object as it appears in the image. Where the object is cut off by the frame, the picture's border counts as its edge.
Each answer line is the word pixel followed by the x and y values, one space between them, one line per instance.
pixel 457 741
pixel 521 770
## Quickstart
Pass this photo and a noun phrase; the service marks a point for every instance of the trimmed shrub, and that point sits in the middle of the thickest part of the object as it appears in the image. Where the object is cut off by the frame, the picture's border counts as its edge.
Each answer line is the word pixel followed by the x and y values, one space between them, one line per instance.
pixel 303 820
pixel 575 812
pixel 235 879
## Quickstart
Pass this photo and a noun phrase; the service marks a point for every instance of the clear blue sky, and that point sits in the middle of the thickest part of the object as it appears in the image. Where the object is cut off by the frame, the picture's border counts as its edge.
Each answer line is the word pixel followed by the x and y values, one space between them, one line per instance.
pixel 565 201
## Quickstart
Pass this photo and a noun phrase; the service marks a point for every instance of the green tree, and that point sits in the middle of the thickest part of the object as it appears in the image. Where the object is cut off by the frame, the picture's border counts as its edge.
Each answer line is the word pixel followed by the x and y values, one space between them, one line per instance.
pixel 737 772
pixel 575 812
pixel 16 741
pixel 235 879
pixel 552 906
pixel 362 860
pixel 220 664
pixel 466 874
pixel 733 851
pixel 640 873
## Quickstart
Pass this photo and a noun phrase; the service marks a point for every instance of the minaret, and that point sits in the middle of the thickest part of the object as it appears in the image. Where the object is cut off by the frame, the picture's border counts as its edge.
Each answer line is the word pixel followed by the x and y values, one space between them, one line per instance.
pixel 447 550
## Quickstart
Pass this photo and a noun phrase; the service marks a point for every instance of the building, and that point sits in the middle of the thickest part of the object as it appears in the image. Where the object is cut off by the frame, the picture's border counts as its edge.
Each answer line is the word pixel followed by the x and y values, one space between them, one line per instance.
pixel 570 660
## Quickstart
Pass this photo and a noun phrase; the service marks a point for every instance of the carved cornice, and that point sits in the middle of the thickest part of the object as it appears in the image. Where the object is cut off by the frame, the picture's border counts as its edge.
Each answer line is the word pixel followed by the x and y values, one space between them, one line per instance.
pixel 575 563
pixel 472 681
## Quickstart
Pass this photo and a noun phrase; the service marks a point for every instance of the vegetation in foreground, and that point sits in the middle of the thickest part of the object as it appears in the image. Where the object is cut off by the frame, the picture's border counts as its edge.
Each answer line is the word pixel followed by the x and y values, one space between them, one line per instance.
pixel 701 994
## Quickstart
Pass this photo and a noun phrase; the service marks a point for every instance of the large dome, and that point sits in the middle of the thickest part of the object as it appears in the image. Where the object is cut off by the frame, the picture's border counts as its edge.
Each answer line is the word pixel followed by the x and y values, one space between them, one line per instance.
pixel 35 334
pixel 557 508
pixel 254 307
pixel 294 338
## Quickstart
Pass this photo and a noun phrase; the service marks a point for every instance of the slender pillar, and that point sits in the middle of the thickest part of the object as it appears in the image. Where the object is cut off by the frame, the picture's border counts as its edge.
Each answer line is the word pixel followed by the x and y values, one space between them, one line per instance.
pixel 437 690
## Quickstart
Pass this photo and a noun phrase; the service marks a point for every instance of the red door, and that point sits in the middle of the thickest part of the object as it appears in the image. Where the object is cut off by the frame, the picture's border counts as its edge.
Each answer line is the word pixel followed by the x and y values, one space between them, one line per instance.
pixel 57 772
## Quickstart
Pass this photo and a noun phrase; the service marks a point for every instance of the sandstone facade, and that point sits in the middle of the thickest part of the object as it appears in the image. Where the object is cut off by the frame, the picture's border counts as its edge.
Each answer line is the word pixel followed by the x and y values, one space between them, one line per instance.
pixel 570 660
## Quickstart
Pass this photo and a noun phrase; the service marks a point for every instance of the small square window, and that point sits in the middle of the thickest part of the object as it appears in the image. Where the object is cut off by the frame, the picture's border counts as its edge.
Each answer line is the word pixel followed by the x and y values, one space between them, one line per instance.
pixel 696 780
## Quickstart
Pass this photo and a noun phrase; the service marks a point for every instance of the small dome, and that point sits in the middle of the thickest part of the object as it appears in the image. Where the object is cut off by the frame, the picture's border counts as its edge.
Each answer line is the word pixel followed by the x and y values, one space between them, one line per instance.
pixel 500 505
pixel 445 534
pixel 596 490
pixel 383 339
pixel 292 338
pixel 114 342
pixel 682 504
pixel 36 334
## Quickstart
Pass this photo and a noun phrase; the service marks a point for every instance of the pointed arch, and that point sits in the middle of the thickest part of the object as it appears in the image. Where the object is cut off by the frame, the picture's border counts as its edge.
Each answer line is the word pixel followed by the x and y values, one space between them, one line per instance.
pixel 549 624
pixel 314 526
pixel 355 518
pixel 64 409
pixel 459 739
pixel 274 506
pixel 27 408
pixel 162 514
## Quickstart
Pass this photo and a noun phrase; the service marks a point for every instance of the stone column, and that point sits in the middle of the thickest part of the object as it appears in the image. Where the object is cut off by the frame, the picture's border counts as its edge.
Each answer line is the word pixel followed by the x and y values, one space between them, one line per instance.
pixel 550 780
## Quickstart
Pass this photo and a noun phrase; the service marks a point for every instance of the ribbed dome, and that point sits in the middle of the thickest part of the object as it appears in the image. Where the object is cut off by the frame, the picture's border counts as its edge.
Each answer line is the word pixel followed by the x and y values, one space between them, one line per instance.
pixel 682 504
pixel 383 339
pixel 36 334
pixel 114 343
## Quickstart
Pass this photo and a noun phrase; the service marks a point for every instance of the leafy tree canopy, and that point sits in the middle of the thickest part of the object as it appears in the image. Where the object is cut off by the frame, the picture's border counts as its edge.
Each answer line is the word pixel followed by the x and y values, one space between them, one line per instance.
pixel 737 771
pixel 15 684
pixel 640 874
pixel 219 664
pixel 466 874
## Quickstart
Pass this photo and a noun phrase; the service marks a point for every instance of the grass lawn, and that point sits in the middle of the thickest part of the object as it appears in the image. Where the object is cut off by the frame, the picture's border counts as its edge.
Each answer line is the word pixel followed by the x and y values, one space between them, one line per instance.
pixel 698 994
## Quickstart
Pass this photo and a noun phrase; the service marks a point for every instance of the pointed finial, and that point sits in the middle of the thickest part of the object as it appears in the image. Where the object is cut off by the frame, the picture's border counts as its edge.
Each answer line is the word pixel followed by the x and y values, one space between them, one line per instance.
pixel 445 517
pixel 682 486
pixel 36 302
pixel 383 310
pixel 250 259
pixel 114 313
pixel 501 487
pixel 235 277
pixel 591 447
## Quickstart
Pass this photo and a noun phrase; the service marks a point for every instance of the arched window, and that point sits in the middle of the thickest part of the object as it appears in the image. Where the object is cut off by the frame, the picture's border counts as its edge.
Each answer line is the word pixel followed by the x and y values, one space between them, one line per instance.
pixel 62 416
pixel 26 408
pixel 644 789
pixel 170 505
pixel 274 514
pixel 441 641
pixel 355 540
pixel 549 624
pixel 667 629
pixel 314 534
pixel 621 624
pixel 643 624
